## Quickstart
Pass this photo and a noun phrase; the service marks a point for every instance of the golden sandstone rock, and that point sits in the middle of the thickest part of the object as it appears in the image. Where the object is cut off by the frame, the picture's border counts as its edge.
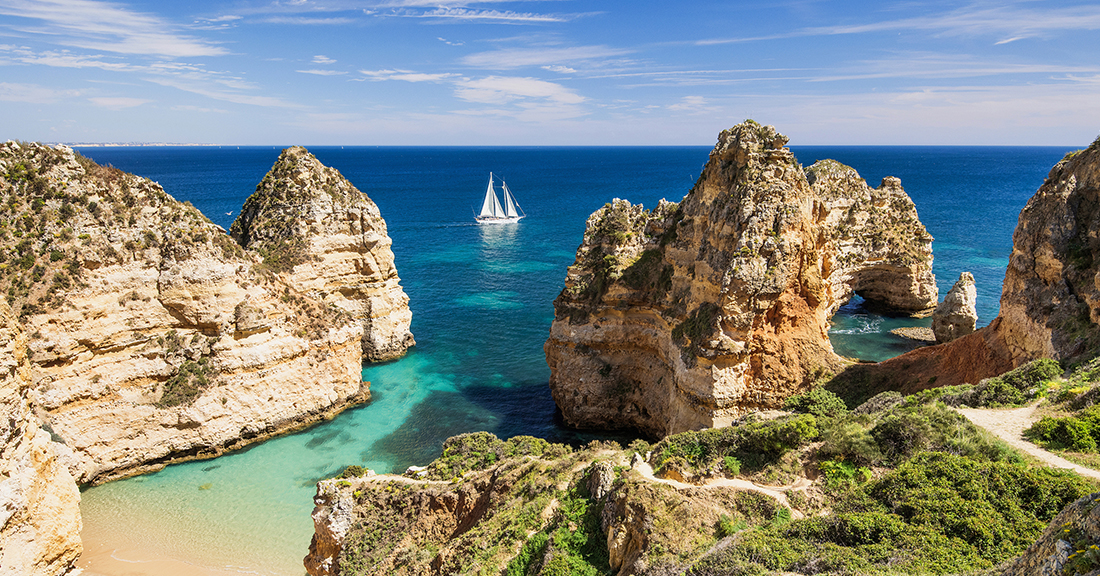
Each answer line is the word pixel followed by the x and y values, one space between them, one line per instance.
pixel 689 315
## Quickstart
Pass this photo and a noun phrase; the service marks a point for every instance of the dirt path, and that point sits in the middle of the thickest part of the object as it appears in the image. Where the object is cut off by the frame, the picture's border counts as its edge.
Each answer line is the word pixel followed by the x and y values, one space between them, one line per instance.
pixel 777 492
pixel 1009 424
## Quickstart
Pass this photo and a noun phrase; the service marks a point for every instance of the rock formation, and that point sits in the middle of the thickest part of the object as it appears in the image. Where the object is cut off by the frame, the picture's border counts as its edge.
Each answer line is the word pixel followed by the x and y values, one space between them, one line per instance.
pixel 957 315
pixel 39 502
pixel 1069 545
pixel 330 240
pixel 1050 300
pixel 688 315
pixel 153 336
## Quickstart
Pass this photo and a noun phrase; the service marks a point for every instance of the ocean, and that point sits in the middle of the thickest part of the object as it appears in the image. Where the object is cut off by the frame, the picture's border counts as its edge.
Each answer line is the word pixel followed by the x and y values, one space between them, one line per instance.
pixel 482 298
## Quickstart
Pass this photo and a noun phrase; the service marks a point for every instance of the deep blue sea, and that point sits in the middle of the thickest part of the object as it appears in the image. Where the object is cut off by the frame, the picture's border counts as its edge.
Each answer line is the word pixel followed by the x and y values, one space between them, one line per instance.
pixel 482 305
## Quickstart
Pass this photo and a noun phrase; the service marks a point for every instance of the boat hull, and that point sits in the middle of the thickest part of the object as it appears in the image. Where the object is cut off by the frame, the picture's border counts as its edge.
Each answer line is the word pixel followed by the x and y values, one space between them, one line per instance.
pixel 491 220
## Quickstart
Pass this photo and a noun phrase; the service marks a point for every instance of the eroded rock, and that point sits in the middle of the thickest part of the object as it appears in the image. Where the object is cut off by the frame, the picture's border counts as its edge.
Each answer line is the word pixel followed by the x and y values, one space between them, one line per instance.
pixel 691 314
pixel 957 315
pixel 153 336
pixel 331 242
pixel 39 502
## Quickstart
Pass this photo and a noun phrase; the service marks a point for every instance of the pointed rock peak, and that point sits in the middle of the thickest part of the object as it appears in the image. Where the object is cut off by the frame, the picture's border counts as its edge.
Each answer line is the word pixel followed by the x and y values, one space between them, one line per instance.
pixel 957 315
pixel 749 138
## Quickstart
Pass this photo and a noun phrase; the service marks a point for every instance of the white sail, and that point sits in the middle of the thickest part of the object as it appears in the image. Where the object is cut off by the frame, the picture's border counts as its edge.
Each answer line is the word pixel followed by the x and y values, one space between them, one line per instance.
pixel 490 208
pixel 509 203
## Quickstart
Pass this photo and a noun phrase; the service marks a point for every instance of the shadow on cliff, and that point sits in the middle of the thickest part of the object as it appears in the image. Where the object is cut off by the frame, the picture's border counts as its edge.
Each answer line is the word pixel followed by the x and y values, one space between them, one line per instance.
pixel 967 360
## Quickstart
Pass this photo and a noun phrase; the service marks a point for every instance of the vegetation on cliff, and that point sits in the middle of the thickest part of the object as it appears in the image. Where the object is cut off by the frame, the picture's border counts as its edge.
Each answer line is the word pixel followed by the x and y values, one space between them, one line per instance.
pixel 694 313
pixel 898 485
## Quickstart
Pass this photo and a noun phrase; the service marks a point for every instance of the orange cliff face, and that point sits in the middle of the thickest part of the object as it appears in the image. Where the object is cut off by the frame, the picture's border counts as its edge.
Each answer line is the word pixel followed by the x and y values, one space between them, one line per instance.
pixel 1050 302
pixel 689 315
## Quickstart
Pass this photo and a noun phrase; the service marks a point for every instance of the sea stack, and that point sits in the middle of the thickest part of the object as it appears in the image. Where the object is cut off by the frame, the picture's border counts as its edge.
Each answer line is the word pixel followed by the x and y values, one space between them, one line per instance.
pixel 957 315
pixel 691 314
pixel 329 240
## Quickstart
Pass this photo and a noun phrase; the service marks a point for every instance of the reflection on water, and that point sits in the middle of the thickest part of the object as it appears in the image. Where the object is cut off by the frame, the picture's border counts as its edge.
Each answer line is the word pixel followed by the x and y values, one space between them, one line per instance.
pixel 495 236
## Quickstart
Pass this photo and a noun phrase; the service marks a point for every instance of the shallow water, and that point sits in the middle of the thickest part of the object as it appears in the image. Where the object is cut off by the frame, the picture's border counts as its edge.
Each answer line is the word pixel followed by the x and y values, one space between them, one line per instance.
pixel 482 305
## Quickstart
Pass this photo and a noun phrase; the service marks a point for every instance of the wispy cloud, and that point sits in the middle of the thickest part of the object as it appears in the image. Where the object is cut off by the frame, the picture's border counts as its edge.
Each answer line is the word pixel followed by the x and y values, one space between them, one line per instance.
pixel 320 59
pixel 323 72
pixel 33 93
pixel 518 58
pixel 104 26
pixel 504 89
pixel 466 14
pixel 205 89
pixel 305 20
pixel 696 104
pixel 559 69
pixel 406 75
pixel 192 78
pixel 117 102
pixel 1008 23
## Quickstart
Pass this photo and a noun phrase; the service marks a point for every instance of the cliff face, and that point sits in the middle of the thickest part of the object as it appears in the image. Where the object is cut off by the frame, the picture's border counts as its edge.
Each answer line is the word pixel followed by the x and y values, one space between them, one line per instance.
pixel 1050 303
pixel 688 315
pixel 39 502
pixel 153 336
pixel 330 239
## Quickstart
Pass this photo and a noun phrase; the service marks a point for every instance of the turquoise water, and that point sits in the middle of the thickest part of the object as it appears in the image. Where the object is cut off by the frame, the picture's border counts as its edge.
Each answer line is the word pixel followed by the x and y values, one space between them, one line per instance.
pixel 482 305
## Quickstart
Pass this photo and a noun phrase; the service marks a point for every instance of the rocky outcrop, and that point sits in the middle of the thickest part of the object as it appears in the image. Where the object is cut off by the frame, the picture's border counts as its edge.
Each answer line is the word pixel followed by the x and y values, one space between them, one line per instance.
pixel 691 314
pixel 39 502
pixel 1050 300
pixel 153 336
pixel 957 315
pixel 1050 303
pixel 1069 545
pixel 330 240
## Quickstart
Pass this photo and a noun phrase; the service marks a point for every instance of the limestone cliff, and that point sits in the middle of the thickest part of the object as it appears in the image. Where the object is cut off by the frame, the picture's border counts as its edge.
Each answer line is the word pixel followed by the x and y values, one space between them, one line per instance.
pixel 957 315
pixel 1050 303
pixel 1050 300
pixel 153 336
pixel 310 222
pixel 688 315
pixel 39 502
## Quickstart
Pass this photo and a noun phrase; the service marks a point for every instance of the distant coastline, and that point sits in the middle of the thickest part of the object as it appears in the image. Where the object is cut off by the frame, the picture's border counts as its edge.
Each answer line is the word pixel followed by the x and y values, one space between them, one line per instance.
pixel 126 144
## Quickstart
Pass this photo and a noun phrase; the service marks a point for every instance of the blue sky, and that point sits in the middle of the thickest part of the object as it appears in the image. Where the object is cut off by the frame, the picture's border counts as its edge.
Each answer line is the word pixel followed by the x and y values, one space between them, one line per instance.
pixel 555 72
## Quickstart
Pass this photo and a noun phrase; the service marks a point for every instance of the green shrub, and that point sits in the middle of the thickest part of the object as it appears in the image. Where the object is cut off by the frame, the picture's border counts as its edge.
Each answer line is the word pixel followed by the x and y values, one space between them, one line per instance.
pixel 818 401
pixel 352 471
pixel 731 465
pixel 728 526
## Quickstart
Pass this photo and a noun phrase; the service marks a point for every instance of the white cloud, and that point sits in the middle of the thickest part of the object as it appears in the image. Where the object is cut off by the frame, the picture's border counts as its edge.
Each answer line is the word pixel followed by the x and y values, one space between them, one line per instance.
pixel 507 59
pixel 1011 23
pixel 319 59
pixel 117 102
pixel 467 14
pixel 191 108
pixel 559 69
pixel 105 26
pixel 305 20
pixel 690 104
pixel 504 89
pixel 323 72
pixel 33 93
pixel 204 89
pixel 406 75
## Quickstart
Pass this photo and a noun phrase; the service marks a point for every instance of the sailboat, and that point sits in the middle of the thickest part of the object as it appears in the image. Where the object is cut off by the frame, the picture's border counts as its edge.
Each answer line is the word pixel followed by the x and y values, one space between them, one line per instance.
pixel 491 210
